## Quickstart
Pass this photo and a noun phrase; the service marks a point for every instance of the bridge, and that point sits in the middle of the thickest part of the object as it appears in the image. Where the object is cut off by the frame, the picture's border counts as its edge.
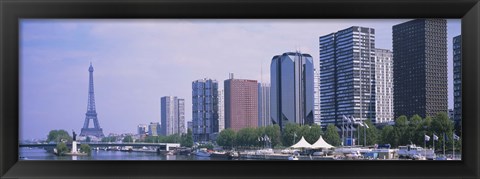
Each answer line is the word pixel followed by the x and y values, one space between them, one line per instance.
pixel 161 146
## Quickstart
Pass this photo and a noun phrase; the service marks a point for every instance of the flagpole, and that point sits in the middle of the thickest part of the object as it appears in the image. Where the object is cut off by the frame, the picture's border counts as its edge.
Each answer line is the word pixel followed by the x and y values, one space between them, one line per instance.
pixel 453 145
pixel 444 139
pixel 425 145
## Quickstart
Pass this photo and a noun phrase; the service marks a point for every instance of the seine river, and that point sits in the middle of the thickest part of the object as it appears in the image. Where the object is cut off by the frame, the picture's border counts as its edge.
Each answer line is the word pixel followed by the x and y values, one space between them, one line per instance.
pixel 41 154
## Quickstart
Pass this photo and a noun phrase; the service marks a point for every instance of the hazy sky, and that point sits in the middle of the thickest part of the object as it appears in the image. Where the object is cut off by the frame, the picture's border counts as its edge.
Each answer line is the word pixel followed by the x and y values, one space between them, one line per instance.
pixel 138 61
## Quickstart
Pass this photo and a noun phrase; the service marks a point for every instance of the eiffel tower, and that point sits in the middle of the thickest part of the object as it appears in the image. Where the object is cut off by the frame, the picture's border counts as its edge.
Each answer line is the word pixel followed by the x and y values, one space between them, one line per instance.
pixel 91 112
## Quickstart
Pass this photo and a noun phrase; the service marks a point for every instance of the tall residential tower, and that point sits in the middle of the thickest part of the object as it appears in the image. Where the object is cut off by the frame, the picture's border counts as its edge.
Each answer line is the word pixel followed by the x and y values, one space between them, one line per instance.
pixel 172 115
pixel 204 109
pixel 347 75
pixel 384 86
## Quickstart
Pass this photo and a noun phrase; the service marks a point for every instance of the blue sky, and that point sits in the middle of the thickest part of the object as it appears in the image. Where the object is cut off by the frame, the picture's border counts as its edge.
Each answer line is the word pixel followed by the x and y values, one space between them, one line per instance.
pixel 138 61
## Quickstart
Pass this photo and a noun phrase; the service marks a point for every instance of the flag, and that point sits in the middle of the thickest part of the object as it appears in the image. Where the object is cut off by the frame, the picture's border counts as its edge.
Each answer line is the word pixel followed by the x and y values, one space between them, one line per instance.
pixel 445 137
pixel 455 137
pixel 294 134
pixel 258 139
pixel 366 125
pixel 435 137
pixel 427 138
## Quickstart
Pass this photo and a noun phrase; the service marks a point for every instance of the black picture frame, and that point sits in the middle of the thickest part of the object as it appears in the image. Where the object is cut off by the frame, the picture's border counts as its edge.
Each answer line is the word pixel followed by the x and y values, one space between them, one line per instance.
pixel 13 10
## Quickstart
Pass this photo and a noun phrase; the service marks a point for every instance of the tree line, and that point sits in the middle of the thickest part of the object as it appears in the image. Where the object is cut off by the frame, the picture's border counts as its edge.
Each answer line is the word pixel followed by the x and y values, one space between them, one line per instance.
pixel 405 131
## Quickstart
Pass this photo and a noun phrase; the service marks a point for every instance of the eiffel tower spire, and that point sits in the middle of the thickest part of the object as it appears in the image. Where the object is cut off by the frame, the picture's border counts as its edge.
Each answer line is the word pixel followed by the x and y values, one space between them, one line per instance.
pixel 91 111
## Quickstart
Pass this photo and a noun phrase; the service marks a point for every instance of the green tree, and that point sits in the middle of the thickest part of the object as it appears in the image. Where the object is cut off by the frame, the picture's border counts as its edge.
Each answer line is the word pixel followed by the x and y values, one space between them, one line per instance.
pixel 187 139
pixel 372 133
pixel 443 127
pixel 109 139
pixel 246 137
pixel 273 132
pixel 127 139
pixel 331 135
pixel 58 135
pixel 314 133
pixel 85 148
pixel 226 138
pixel 388 136
pixel 61 148
pixel 289 133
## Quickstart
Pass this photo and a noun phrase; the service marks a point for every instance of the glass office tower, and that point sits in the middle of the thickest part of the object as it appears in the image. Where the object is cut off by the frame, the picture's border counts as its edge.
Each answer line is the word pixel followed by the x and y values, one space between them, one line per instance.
pixel 291 90
pixel 457 79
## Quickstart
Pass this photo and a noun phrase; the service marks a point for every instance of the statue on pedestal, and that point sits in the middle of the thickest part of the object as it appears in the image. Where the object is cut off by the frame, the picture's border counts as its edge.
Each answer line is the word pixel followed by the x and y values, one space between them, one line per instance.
pixel 74 136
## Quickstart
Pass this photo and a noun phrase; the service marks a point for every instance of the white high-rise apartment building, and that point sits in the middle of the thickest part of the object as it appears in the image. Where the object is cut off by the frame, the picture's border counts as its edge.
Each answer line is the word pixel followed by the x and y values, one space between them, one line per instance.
pixel 172 115
pixel 221 110
pixel 384 86
pixel 316 97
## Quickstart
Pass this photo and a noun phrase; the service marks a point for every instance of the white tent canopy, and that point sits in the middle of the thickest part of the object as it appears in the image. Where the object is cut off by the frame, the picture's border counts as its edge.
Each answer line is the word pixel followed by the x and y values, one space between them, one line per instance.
pixel 321 144
pixel 302 144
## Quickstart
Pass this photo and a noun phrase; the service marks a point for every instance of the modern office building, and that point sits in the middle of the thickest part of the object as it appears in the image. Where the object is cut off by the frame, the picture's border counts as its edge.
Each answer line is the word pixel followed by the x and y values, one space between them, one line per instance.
pixel 316 97
pixel 291 90
pixel 189 125
pixel 264 105
pixel 172 115
pixel 142 129
pixel 204 109
pixel 450 114
pixel 347 75
pixel 154 129
pixel 384 86
pixel 221 110
pixel 457 79
pixel 241 103
pixel 420 67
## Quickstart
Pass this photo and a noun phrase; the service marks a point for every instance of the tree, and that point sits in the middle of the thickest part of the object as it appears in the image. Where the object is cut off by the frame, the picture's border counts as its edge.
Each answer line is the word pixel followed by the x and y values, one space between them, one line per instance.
pixel 313 134
pixel 246 137
pixel 109 139
pixel 58 135
pixel 127 139
pixel 373 134
pixel 226 138
pixel 388 136
pixel 443 127
pixel 273 132
pixel 61 148
pixel 331 135
pixel 187 139
pixel 289 133
pixel 85 148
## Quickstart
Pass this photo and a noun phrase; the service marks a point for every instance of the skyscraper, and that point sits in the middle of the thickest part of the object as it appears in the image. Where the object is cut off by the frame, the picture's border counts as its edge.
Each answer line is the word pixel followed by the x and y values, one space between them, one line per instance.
pixel 316 97
pixel 457 79
pixel 347 75
pixel 264 105
pixel 154 129
pixel 172 115
pixel 204 109
pixel 291 90
pixel 420 67
pixel 384 85
pixel 141 129
pixel 241 103
pixel 221 110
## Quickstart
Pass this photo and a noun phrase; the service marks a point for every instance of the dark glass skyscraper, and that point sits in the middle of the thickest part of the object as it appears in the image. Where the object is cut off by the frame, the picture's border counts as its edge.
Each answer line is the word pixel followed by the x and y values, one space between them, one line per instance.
pixel 291 90
pixel 204 109
pixel 420 67
pixel 457 79
pixel 347 75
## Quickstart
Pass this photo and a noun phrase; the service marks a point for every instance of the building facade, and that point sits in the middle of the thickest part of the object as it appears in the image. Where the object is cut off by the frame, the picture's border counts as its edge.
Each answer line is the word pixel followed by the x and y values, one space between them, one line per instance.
pixel 154 129
pixel 420 67
pixel 384 86
pixel 316 97
pixel 241 103
pixel 221 110
pixel 264 105
pixel 457 79
pixel 347 75
pixel 204 109
pixel 142 129
pixel 291 90
pixel 172 115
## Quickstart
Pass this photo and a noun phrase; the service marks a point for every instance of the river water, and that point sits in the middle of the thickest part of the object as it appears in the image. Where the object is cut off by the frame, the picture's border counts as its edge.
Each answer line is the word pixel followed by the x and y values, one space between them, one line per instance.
pixel 41 154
